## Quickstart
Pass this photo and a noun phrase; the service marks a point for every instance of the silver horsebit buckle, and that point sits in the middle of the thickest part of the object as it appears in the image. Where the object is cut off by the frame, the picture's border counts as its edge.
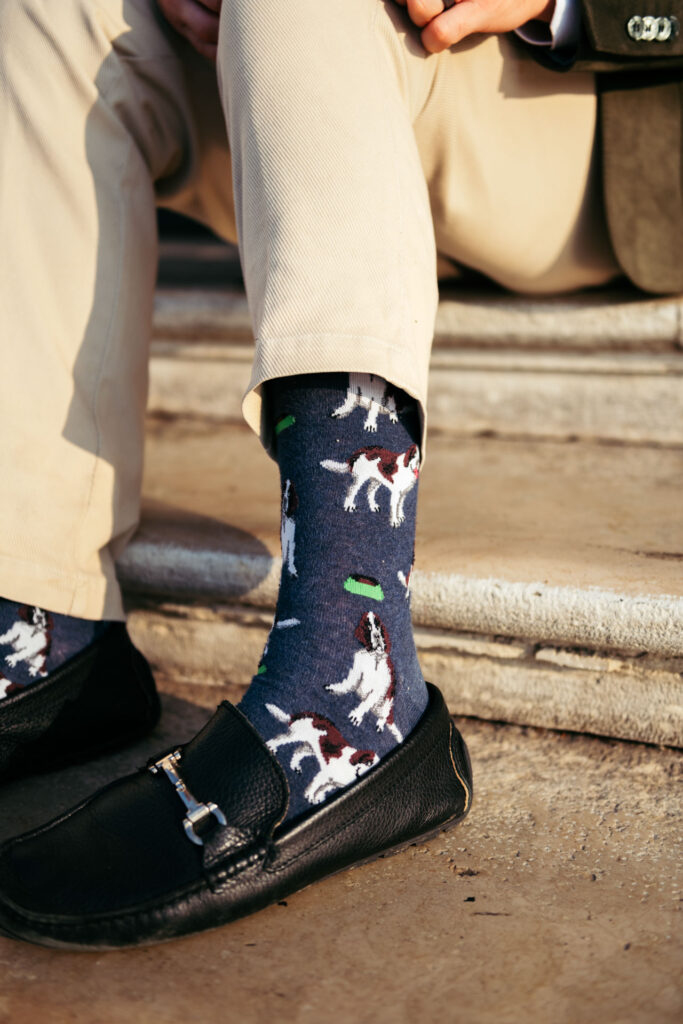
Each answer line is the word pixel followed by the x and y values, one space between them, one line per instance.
pixel 196 811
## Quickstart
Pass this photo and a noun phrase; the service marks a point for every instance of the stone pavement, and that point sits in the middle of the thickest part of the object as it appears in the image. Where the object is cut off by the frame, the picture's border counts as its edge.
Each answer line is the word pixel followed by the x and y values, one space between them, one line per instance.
pixel 553 903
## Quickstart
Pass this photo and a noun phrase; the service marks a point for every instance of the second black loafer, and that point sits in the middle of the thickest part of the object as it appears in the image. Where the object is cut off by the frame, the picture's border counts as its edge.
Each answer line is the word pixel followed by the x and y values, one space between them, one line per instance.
pixel 102 698
pixel 194 840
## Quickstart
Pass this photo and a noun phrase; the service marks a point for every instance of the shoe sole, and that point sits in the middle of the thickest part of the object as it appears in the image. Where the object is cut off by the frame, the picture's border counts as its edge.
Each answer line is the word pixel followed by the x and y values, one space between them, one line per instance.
pixel 391 851
pixel 384 855
pixel 423 787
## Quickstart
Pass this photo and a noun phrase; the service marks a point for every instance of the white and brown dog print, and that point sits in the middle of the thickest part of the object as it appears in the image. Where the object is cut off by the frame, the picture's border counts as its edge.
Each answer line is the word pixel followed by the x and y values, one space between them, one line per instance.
pixel 404 578
pixel 7 687
pixel 404 581
pixel 367 391
pixel 372 677
pixel 289 505
pixel 378 467
pixel 30 637
pixel 312 735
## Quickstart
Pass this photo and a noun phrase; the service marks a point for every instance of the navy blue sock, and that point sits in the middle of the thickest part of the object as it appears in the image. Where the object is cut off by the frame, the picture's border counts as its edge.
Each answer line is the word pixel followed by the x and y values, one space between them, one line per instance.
pixel 34 642
pixel 339 684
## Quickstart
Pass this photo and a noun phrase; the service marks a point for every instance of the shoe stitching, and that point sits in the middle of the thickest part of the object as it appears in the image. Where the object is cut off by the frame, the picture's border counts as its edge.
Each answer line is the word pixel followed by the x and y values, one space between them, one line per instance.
pixel 468 795
pixel 361 814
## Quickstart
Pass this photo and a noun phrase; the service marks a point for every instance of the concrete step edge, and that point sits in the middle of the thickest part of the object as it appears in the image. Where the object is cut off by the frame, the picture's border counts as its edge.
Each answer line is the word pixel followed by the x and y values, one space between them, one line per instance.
pixel 157 562
pixel 616 319
pixel 632 397
pixel 633 698
pixel 490 359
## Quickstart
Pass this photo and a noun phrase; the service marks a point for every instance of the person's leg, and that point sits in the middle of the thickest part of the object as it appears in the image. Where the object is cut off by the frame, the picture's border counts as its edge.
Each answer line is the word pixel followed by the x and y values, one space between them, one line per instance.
pixel 332 208
pixel 335 123
pixel 216 844
pixel 93 115
pixel 92 112
pixel 338 253
pixel 509 153
pixel 336 126
pixel 337 245
pixel 340 659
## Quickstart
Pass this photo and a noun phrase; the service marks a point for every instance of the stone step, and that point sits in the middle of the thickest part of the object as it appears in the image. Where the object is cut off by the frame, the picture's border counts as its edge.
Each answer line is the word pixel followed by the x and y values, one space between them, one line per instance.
pixel 607 320
pixel 599 366
pixel 548 587
pixel 200 261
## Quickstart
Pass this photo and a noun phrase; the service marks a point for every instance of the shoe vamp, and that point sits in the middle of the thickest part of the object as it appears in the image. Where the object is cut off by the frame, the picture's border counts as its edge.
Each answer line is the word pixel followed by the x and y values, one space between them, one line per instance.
pixel 125 847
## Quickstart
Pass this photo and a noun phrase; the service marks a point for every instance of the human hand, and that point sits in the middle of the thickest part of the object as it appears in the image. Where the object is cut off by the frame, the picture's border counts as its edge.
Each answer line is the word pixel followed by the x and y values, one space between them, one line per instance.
pixel 196 20
pixel 445 24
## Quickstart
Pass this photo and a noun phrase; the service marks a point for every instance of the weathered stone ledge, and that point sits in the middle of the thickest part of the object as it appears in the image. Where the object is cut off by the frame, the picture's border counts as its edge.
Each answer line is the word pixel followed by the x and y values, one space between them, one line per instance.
pixel 590 617
pixel 604 692
pixel 618 396
pixel 610 319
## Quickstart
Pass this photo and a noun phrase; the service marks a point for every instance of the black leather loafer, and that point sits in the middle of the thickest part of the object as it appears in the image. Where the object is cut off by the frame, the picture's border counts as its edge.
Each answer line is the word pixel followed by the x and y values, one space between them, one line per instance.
pixel 103 698
pixel 192 840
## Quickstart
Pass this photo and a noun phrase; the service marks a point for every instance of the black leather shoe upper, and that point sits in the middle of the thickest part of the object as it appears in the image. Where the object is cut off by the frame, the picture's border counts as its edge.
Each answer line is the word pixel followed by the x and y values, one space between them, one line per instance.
pixel 103 697
pixel 120 869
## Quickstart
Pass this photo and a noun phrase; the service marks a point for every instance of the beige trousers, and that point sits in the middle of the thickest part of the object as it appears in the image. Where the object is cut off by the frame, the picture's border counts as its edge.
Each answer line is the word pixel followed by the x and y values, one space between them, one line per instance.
pixel 350 150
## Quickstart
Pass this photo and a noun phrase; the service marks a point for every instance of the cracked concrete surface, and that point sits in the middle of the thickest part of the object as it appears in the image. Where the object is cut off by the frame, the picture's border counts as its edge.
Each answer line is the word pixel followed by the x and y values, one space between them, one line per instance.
pixel 555 901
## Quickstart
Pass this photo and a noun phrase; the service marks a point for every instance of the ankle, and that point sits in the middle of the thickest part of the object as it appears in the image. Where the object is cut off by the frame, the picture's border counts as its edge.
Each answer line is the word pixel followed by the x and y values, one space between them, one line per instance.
pixel 340 670
pixel 34 642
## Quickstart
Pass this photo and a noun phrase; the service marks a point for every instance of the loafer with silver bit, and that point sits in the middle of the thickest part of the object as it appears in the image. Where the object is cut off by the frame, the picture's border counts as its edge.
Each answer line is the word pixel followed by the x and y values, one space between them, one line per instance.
pixel 196 839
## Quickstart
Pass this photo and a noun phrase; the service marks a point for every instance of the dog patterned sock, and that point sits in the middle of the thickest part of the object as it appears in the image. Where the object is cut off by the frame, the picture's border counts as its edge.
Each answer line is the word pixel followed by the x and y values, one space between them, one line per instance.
pixel 34 642
pixel 339 684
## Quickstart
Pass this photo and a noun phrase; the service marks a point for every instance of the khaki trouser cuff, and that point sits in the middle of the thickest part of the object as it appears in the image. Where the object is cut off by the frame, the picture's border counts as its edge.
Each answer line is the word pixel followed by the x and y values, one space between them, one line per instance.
pixel 332 353
pixel 86 597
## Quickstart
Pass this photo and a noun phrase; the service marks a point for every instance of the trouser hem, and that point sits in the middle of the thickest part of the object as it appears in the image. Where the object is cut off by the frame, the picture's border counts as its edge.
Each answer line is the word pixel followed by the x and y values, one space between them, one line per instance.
pixel 85 596
pixel 333 353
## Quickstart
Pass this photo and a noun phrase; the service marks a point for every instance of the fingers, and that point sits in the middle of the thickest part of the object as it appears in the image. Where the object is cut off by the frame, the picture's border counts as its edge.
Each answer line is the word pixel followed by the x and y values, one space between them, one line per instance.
pixel 468 17
pixel 421 12
pixel 453 25
pixel 196 20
